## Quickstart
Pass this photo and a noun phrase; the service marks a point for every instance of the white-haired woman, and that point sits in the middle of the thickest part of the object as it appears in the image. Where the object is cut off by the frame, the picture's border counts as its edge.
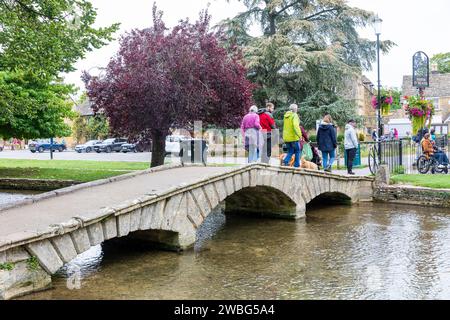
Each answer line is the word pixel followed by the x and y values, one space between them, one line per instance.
pixel 251 128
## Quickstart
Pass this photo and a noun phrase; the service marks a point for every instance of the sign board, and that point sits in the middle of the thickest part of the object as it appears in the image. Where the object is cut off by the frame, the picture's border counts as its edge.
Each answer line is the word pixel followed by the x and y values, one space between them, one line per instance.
pixel 421 70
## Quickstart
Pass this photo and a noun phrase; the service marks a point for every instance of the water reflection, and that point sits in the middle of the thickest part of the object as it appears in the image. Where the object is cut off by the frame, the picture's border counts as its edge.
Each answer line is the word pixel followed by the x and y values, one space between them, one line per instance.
pixel 370 251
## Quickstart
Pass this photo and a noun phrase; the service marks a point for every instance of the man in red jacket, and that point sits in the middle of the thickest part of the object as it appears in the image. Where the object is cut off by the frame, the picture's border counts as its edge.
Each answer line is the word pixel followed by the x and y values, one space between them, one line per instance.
pixel 267 123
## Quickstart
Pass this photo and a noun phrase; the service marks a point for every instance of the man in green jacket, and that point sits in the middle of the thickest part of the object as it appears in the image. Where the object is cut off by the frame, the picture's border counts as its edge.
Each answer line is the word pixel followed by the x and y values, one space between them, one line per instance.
pixel 292 135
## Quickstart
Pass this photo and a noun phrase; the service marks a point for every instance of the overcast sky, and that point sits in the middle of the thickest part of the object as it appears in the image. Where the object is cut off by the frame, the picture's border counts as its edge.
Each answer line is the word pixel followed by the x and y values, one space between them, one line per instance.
pixel 413 25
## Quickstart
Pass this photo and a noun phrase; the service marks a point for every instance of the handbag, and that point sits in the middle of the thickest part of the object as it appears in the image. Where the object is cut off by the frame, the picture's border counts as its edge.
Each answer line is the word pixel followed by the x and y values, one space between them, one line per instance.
pixel 307 152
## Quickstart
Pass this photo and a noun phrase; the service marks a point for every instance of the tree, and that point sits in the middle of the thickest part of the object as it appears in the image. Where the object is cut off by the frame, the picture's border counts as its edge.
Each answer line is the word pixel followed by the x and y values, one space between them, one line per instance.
pixel 307 47
pixel 443 62
pixel 33 108
pixel 315 106
pixel 40 39
pixel 90 128
pixel 162 79
pixel 48 36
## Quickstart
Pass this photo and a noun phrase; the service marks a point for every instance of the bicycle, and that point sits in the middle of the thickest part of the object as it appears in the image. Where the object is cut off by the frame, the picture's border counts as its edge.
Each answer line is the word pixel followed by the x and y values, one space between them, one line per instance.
pixel 373 159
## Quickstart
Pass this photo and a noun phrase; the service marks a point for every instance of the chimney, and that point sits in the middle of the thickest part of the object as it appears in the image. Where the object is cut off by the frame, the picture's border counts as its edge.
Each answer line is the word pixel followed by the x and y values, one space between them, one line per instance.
pixel 434 68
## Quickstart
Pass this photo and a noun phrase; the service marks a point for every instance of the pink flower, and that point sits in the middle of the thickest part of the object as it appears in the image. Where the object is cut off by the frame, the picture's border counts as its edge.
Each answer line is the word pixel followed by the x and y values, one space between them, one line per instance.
pixel 389 100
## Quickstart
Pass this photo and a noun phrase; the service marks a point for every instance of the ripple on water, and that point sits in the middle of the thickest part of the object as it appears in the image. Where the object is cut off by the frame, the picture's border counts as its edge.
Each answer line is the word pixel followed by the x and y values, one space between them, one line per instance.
pixel 372 251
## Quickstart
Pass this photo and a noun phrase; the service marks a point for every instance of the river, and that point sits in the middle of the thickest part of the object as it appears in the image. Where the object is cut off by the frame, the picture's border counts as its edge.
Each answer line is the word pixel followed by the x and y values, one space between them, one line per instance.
pixel 367 251
pixel 10 196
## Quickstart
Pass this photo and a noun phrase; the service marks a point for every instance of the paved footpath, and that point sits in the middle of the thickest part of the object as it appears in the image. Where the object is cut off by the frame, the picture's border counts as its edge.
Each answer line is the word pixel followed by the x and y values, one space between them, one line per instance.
pixel 85 202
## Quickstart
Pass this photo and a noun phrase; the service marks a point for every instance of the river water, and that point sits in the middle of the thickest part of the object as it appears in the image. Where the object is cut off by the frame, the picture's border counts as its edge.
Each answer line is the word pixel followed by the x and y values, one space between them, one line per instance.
pixel 367 251
pixel 10 196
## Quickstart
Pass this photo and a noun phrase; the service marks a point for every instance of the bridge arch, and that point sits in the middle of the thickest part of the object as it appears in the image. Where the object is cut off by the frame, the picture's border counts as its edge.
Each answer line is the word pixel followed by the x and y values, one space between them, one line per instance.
pixel 173 217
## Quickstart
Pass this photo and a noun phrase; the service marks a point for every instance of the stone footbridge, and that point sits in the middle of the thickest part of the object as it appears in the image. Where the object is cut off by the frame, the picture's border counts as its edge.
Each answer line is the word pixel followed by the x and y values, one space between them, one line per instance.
pixel 163 206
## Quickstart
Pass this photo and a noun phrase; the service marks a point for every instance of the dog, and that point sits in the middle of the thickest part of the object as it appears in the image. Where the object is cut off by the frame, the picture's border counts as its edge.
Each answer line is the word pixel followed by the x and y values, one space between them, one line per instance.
pixel 304 164
pixel 308 165
pixel 283 156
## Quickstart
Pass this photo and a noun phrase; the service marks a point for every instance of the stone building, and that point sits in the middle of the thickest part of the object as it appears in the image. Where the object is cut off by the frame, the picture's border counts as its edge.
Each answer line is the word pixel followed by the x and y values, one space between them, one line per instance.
pixel 361 90
pixel 438 92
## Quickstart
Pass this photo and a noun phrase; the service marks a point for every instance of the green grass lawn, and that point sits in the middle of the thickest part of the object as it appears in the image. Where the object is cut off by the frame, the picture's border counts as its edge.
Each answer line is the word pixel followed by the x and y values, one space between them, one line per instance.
pixel 82 171
pixel 438 181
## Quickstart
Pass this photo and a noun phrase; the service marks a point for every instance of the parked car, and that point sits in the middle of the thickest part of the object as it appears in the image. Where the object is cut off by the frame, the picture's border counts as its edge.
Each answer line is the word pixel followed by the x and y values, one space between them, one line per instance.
pixel 88 146
pixel 129 147
pixel 140 146
pixel 110 145
pixel 173 144
pixel 44 145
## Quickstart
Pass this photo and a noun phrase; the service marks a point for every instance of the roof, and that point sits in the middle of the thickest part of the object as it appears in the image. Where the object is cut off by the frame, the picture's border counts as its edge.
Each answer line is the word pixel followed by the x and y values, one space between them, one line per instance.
pixel 85 109
pixel 439 86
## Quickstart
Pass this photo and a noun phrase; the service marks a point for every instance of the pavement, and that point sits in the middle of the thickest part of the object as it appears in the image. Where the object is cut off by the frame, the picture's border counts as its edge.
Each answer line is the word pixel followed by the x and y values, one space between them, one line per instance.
pixel 72 155
pixel 89 201
pixel 134 157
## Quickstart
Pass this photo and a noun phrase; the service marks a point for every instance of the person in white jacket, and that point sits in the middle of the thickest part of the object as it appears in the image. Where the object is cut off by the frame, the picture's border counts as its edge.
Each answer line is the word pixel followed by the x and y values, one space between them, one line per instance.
pixel 351 144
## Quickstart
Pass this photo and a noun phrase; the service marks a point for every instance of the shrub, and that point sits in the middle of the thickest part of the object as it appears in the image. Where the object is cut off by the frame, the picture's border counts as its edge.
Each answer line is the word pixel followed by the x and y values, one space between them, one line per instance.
pixel 399 170
pixel 361 137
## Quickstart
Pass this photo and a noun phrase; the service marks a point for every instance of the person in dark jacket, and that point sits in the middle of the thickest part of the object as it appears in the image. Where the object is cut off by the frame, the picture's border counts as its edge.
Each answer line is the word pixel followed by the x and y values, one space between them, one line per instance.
pixel 267 123
pixel 326 139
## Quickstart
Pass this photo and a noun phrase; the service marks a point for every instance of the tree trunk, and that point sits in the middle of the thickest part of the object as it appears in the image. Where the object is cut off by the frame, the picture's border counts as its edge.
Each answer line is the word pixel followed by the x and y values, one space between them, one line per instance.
pixel 272 29
pixel 158 149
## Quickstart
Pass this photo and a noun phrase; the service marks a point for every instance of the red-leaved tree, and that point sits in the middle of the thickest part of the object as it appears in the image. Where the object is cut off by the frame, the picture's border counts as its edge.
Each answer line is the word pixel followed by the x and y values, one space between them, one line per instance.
pixel 163 79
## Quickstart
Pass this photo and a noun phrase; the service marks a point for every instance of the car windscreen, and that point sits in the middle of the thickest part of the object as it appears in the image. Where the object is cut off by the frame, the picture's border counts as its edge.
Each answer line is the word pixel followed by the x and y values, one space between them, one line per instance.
pixel 108 141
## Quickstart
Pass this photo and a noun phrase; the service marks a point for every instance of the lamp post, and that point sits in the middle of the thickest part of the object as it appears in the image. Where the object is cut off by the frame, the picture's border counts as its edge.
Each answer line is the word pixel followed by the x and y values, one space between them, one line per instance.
pixel 377 27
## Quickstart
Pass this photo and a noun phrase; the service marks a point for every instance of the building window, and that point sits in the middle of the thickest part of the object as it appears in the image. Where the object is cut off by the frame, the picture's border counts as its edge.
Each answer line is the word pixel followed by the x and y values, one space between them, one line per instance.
pixel 436 104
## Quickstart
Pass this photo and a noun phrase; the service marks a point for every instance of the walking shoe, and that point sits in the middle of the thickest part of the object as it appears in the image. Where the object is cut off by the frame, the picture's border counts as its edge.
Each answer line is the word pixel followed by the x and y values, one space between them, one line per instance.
pixel 351 173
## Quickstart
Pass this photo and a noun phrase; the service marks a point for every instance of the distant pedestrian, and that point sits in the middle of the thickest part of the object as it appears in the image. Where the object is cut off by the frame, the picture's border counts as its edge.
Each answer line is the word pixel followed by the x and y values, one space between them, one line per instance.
pixel 326 139
pixel 374 135
pixel 418 140
pixel 395 134
pixel 433 134
pixel 251 128
pixel 391 134
pixel 292 135
pixel 267 124
pixel 351 144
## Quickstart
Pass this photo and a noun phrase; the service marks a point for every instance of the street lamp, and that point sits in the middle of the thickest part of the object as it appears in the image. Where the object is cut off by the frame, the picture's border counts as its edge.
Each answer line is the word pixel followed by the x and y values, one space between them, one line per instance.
pixel 377 22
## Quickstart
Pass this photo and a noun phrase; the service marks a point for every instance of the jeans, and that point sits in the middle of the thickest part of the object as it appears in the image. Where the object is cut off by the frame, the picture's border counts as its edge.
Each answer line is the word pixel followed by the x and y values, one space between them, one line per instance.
pixel 351 154
pixel 267 148
pixel 441 158
pixel 252 153
pixel 293 149
pixel 328 159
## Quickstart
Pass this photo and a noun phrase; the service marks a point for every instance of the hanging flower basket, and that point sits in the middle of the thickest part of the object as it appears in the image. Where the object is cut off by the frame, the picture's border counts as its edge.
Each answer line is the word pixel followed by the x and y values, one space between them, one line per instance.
pixel 386 103
pixel 419 111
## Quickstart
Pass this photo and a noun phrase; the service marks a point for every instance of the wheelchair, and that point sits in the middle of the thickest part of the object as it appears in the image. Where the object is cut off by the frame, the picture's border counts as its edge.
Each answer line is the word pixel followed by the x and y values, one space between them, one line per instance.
pixel 429 163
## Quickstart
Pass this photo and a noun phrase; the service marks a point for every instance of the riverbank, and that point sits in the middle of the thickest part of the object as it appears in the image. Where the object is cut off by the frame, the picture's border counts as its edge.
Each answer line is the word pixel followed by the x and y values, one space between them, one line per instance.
pixel 440 181
pixel 412 195
pixel 53 174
